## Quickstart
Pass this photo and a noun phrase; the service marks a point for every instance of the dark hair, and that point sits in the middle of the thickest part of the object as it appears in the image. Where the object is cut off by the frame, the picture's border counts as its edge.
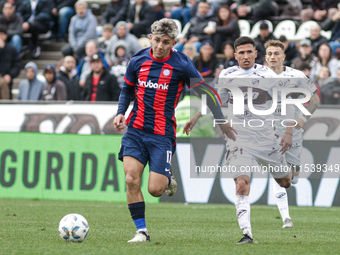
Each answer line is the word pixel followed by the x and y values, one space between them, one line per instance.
pixel 3 29
pixel 200 62
pixel 222 23
pixel 330 54
pixel 242 41
pixel 225 43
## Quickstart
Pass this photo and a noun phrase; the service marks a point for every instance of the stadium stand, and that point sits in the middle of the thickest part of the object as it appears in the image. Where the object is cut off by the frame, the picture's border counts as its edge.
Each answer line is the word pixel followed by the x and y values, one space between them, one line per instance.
pixel 281 24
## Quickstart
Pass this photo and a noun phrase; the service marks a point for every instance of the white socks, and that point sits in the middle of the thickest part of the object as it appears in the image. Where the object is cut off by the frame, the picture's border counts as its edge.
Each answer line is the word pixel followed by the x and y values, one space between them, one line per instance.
pixel 243 213
pixel 280 194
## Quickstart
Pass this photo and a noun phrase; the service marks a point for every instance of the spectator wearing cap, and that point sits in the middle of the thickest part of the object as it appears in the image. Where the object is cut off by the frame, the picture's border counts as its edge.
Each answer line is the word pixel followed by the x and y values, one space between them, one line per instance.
pixel 68 75
pixel 333 24
pixel 325 58
pixel 62 13
pixel 100 85
pixel 54 89
pixel 316 38
pixel 115 11
pixel 10 64
pixel 140 17
pixel 290 50
pixel 37 20
pixel 31 88
pixel 83 66
pixel 306 55
pixel 13 22
pixel 260 40
pixel 227 28
pixel 254 9
pixel 82 29
pixel 204 18
pixel 206 62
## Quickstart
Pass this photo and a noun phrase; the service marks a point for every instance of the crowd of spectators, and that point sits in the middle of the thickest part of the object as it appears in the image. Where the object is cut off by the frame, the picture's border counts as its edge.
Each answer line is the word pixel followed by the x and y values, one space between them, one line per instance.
pixel 99 53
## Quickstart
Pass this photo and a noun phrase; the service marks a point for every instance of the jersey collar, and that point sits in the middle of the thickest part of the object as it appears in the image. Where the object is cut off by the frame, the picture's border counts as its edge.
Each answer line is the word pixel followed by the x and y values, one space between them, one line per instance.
pixel 160 60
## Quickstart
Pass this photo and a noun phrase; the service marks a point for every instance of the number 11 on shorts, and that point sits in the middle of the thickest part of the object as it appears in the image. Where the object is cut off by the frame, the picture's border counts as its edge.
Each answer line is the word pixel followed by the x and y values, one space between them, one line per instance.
pixel 168 157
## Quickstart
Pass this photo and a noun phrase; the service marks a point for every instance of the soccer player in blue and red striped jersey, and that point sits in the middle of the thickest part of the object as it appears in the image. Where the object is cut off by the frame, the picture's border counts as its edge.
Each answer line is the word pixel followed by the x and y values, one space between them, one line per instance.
pixel 155 78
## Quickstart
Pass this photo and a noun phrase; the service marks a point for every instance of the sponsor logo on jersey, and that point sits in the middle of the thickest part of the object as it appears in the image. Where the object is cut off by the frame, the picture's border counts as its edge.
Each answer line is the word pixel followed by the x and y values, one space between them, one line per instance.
pixel 153 85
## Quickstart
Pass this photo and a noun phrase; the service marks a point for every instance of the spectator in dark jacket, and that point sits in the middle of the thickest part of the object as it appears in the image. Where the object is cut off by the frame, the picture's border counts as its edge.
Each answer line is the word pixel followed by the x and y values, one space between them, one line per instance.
pixel 333 24
pixel 290 50
pixel 140 17
pixel 206 62
pixel 68 75
pixel 330 92
pixel 316 38
pixel 196 35
pixel 100 85
pixel 15 3
pixel 10 63
pixel 254 9
pixel 260 40
pixel 227 28
pixel 83 66
pixel 37 20
pixel 13 22
pixel 62 12
pixel 306 56
pixel 115 11
pixel 320 10
pixel 54 89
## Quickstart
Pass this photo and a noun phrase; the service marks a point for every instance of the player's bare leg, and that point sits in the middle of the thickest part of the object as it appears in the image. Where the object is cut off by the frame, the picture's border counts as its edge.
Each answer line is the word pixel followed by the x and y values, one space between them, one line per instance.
pixel 286 181
pixel 133 169
pixel 243 207
pixel 158 183
pixel 296 169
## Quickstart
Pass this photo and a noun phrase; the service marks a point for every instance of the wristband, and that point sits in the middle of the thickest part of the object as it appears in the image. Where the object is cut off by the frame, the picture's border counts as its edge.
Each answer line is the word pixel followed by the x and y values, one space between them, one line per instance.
pixel 289 134
pixel 303 118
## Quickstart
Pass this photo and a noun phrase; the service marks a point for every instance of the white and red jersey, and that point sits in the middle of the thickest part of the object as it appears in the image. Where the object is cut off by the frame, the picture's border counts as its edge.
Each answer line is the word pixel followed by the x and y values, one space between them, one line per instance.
pixel 295 79
pixel 252 129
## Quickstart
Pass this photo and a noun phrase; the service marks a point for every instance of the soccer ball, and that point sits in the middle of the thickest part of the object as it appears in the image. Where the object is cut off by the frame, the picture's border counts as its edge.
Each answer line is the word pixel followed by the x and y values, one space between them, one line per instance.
pixel 73 228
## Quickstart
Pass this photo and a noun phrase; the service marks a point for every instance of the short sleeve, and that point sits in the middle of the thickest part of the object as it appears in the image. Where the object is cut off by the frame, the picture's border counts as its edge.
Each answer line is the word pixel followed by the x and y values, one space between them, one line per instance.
pixel 130 75
pixel 190 74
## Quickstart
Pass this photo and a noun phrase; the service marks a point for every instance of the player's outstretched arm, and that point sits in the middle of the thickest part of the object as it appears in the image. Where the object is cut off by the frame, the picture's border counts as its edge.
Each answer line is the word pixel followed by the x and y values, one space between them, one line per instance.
pixel 313 104
pixel 119 122
pixel 191 123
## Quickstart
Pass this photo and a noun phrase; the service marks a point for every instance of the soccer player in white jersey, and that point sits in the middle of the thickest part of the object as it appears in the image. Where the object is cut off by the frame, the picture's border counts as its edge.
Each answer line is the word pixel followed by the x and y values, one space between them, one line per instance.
pixel 253 146
pixel 275 57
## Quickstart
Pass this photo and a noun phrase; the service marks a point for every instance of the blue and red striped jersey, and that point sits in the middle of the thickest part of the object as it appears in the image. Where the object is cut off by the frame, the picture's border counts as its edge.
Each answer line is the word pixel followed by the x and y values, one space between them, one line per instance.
pixel 157 85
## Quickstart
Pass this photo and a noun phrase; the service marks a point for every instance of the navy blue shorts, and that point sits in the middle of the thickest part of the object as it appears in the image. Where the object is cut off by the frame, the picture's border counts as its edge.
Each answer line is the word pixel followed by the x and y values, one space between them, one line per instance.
pixel 148 147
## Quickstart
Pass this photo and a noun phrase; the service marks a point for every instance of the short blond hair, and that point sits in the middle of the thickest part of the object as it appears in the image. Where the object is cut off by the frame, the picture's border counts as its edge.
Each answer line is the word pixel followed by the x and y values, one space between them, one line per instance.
pixel 165 27
pixel 275 43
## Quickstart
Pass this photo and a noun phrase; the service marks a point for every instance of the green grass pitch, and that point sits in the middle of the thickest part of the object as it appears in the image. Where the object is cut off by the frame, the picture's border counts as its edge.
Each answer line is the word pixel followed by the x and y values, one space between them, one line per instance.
pixel 30 227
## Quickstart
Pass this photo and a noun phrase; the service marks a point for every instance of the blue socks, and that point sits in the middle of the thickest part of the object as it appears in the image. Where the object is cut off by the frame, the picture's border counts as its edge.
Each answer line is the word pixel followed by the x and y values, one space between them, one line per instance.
pixel 137 211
